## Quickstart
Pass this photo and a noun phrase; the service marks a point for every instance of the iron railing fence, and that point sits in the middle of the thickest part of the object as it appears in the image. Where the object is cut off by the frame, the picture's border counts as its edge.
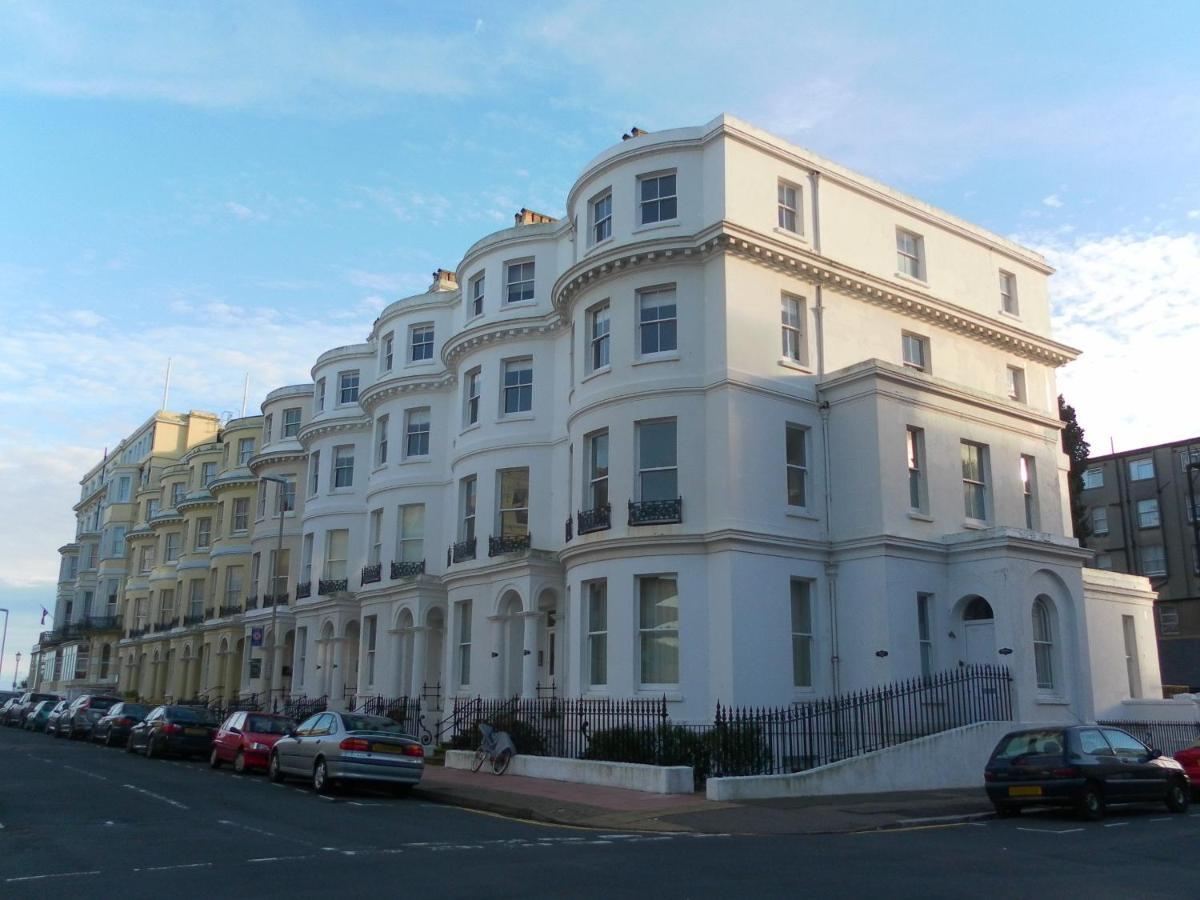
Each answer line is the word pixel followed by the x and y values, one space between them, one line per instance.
pixel 1169 737
pixel 404 711
pixel 301 707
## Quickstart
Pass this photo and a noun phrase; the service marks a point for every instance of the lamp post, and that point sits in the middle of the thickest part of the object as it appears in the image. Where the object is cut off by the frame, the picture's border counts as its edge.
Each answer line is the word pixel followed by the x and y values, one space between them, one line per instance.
pixel 17 670
pixel 270 691
pixel 3 641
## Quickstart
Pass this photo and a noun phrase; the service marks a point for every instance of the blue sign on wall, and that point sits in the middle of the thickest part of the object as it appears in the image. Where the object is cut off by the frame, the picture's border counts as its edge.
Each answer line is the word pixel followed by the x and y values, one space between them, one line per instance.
pixel 256 637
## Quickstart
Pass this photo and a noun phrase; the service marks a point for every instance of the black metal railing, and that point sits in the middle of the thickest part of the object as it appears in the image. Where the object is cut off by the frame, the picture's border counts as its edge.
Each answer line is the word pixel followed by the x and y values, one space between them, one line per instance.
pixel 303 589
pixel 1169 737
pixel 404 711
pixel 332 585
pixel 300 708
pixel 508 543
pixel 656 512
pixel 270 600
pixel 138 632
pixel 567 529
pixel 231 610
pixel 407 569
pixel 210 613
pixel 431 695
pixel 162 626
pixel 371 574
pixel 102 623
pixel 598 519
pixel 460 551
pixel 547 690
pixel 193 619
pixel 252 603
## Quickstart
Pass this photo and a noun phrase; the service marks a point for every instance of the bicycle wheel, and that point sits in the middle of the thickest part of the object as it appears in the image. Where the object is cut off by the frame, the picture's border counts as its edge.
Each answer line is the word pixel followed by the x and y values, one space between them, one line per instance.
pixel 480 756
pixel 501 761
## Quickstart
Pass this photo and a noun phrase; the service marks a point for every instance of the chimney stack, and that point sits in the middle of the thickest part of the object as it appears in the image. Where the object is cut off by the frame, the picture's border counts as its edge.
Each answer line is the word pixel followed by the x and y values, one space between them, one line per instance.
pixel 632 133
pixel 444 280
pixel 529 217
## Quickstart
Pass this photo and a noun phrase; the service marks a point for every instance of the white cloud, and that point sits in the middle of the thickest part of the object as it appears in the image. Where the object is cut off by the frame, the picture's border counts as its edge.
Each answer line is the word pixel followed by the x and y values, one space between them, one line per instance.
pixel 388 282
pixel 1052 201
pixel 1193 214
pixel 241 211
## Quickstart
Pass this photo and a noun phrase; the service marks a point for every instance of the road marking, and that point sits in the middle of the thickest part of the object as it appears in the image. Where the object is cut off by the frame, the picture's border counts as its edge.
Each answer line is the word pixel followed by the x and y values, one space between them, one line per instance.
pixel 1162 819
pixel 1051 830
pixel 174 803
pixel 1116 824
pixel 84 772
pixel 261 859
pixel 54 875
pixel 246 827
pixel 172 868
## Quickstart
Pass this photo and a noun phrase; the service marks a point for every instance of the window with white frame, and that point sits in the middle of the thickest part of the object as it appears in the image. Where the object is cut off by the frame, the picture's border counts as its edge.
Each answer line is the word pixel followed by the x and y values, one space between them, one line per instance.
pixel 512 516
pixel 597 469
pixel 208 471
pixel 285 495
pixel 381 440
pixel 915 351
pixel 306 554
pixel 314 473
pixel 172 544
pixel 464 643
pixel 599 324
pixel 1100 520
pixel 802 633
pixel 974 478
pixel 1141 469
pixel 925 632
pixel 1008 292
pixel 337 542
pixel 1015 383
pixel 658 630
pixel 320 394
pixel 918 492
pixel 374 537
pixel 416 433
pixel 477 286
pixel 177 493
pixel 233 586
pixel 796 448
pixel 203 533
pixel 255 569
pixel 1028 472
pixel 280 563
pixel 117 547
pixel 421 343
pixel 518 386
pixel 124 486
pixel 347 387
pixel 370 637
pixel 410 533
pixel 658 469
pixel 471 386
pixel 245 450
pixel 597 632
pixel 600 218
pixel 1132 667
pixel 1153 559
pixel 657 324
pixel 1043 644
pixel 1147 514
pixel 1093 477
pixel 1187 456
pixel 343 466
pixel 466 503
pixel 789 206
pixel 795 345
pixel 657 200
pixel 241 515
pixel 291 422
pixel 387 352
pixel 518 281
pixel 910 254
pixel 268 428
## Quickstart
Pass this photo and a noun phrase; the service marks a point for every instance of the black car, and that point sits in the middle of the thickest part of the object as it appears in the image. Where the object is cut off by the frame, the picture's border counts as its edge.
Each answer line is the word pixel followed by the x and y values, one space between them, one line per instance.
pixel 56 714
pixel 84 712
pixel 112 729
pixel 1087 767
pixel 184 730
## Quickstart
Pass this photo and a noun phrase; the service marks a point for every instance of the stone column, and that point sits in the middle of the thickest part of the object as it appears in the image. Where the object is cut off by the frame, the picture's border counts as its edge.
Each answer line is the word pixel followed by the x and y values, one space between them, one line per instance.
pixel 276 674
pixel 337 680
pixel 420 643
pixel 496 663
pixel 233 675
pixel 529 662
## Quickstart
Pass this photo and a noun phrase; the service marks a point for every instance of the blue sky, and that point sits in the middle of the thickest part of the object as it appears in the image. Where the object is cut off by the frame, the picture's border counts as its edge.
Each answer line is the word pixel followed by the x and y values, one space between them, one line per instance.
pixel 240 186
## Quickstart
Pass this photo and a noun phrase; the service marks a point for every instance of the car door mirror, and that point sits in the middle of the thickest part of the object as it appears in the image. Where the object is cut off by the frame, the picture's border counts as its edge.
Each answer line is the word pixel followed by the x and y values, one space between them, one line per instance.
pixel 235 731
pixel 1154 754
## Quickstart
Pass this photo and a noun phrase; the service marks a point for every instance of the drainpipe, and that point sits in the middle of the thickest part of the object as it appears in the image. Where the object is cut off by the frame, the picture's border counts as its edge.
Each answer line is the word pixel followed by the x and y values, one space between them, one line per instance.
pixel 831 567
pixel 814 178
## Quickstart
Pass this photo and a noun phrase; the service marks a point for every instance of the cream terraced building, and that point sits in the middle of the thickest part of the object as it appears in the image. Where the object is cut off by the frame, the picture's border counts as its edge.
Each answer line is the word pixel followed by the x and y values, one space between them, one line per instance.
pixel 742 426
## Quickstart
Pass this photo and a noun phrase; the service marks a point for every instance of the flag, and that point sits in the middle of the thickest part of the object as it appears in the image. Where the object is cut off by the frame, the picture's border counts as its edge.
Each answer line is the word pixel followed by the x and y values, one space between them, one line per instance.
pixel 45 612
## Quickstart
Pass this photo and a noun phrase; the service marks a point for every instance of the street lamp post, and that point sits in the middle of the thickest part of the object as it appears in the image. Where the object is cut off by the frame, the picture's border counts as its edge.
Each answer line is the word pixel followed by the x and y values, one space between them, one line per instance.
pixel 3 641
pixel 270 691
pixel 17 670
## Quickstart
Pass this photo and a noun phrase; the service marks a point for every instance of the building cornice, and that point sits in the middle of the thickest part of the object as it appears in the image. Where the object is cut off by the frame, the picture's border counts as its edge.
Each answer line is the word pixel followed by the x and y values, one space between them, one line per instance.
pixel 314 430
pixel 233 480
pixel 499 332
pixel 262 460
pixel 336 354
pixel 370 398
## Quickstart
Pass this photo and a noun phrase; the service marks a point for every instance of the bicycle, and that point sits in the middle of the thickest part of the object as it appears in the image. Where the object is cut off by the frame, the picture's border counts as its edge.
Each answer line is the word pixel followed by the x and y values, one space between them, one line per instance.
pixel 496 746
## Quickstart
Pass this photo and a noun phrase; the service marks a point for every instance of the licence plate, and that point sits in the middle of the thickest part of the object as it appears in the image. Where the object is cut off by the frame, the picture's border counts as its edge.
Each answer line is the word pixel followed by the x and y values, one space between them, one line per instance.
pixel 1032 791
pixel 386 748
pixel 194 731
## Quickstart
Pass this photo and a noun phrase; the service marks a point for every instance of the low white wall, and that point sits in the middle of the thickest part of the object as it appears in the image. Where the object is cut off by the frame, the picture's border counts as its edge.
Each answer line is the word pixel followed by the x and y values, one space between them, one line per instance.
pixel 952 759
pixel 1178 709
pixel 632 776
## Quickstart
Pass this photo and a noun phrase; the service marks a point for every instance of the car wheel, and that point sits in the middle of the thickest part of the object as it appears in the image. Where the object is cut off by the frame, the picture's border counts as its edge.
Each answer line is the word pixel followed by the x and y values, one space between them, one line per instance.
pixel 320 778
pixel 151 748
pixel 273 771
pixel 1091 803
pixel 500 763
pixel 1007 810
pixel 1178 796
pixel 129 748
pixel 239 763
pixel 213 759
pixel 108 741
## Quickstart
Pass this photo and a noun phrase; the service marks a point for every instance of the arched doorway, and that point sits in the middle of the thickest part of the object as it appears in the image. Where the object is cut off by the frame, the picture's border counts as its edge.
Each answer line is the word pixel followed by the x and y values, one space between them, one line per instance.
pixel 979 632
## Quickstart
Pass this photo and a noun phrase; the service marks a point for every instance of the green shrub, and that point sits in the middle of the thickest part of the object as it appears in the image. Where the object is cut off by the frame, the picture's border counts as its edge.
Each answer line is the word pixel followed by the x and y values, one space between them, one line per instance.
pixel 658 745
pixel 738 748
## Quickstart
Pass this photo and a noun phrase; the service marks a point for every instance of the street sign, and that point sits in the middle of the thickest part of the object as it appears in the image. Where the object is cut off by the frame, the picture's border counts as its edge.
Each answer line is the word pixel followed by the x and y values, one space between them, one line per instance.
pixel 256 637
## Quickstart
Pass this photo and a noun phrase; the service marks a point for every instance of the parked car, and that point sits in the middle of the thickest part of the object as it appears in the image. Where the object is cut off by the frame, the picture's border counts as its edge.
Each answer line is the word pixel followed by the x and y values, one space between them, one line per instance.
pixel 1088 767
pixel 84 712
pixel 330 747
pixel 6 706
pixel 5 696
pixel 36 719
pixel 184 730
pixel 18 713
pixel 1189 758
pixel 112 729
pixel 246 739
pixel 56 714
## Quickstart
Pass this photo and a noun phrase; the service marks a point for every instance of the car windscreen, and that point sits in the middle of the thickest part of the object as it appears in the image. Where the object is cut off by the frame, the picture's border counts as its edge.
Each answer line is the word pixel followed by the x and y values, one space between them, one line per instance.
pixel 135 710
pixel 102 702
pixel 372 723
pixel 1029 743
pixel 37 697
pixel 190 714
pixel 268 725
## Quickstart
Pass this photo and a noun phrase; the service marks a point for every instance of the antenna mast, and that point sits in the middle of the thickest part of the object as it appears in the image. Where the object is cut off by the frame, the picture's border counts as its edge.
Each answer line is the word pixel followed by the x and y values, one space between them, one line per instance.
pixel 167 384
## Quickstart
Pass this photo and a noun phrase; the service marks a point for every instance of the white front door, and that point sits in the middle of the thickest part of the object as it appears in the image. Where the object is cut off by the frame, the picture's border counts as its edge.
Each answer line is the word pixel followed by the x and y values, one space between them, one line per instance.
pixel 979 638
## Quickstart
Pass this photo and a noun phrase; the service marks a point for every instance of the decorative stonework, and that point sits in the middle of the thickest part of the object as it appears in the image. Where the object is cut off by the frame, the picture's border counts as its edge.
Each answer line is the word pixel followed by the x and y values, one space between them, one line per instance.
pixel 370 398
pixel 311 432
pixel 464 343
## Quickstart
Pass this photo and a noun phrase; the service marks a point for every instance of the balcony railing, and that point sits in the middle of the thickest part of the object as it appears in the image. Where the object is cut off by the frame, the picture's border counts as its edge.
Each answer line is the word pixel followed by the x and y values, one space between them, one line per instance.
pixel 371 574
pixel 102 623
pixel 193 619
pixel 656 512
pixel 138 632
pixel 251 603
pixel 460 551
pixel 407 569
pixel 158 627
pixel 508 543
pixel 270 600
pixel 231 609
pixel 303 589
pixel 332 585
pixel 598 519
pixel 569 526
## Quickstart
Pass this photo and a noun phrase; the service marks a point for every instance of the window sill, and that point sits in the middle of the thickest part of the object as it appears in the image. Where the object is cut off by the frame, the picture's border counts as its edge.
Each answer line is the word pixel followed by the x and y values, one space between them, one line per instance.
pixel 975 524
pixel 924 370
pixel 519 304
pixel 597 246
pixel 474 426
pixel 1052 700
pixel 515 417
pixel 379 468
pixel 797 236
pixel 654 226
pixel 1016 316
pixel 797 512
pixel 413 460
pixel 904 276
pixel 920 517
pixel 788 363
pixel 668 356
pixel 595 373
pixel 419 364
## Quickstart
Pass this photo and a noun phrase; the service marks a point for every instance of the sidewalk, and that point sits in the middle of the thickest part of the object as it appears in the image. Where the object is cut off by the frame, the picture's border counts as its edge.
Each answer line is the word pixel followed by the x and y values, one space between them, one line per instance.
pixel 588 806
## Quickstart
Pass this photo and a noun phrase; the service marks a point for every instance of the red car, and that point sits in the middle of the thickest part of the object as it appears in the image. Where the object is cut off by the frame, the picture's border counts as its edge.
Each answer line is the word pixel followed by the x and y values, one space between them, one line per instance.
pixel 1190 760
pixel 246 738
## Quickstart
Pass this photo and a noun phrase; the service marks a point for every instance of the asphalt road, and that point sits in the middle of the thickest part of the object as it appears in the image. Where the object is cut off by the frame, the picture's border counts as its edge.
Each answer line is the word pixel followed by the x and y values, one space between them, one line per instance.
pixel 81 819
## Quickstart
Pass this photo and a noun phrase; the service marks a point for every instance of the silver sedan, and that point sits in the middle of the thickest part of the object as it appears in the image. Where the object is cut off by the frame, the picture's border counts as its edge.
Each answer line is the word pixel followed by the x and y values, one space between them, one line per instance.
pixel 331 746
